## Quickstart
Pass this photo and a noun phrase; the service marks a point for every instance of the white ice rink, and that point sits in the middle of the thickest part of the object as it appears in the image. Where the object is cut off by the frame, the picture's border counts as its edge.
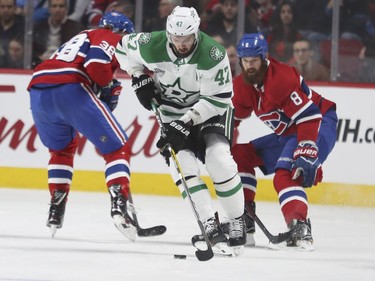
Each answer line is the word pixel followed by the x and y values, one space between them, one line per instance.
pixel 89 247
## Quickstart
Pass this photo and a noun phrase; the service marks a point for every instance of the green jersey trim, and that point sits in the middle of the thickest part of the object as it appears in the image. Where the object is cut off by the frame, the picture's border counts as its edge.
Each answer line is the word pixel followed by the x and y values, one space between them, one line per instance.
pixel 215 102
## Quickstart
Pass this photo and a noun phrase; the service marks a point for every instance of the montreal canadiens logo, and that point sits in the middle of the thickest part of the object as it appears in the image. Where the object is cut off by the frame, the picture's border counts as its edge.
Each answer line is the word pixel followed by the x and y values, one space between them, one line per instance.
pixel 216 54
pixel 144 38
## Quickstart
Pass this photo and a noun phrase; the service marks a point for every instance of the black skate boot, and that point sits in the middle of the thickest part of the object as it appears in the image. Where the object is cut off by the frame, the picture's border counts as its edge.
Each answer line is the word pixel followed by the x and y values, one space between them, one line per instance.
pixel 56 211
pixel 250 226
pixel 301 234
pixel 216 236
pixel 237 234
pixel 119 213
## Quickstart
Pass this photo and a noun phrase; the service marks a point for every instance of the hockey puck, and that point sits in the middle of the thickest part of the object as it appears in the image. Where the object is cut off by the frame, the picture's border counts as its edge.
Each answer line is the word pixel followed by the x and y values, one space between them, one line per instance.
pixel 180 257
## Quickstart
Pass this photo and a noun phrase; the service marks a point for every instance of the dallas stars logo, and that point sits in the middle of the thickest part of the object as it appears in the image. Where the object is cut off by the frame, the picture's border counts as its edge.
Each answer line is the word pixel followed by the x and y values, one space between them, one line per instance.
pixel 144 38
pixel 216 54
pixel 175 93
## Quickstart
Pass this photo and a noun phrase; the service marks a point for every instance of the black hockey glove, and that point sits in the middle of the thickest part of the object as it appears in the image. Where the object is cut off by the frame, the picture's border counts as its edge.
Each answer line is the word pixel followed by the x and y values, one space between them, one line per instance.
pixel 145 89
pixel 175 134
pixel 307 164
pixel 110 94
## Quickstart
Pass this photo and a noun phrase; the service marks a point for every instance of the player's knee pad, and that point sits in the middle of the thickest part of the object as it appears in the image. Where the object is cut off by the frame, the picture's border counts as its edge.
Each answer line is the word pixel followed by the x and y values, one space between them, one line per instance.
pixel 188 163
pixel 246 157
pixel 219 161
pixel 121 153
pixel 67 152
pixel 283 179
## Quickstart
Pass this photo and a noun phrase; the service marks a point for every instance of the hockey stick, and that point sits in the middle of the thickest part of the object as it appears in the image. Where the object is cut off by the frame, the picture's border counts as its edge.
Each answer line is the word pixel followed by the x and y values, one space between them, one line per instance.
pixel 281 237
pixel 145 232
pixel 202 255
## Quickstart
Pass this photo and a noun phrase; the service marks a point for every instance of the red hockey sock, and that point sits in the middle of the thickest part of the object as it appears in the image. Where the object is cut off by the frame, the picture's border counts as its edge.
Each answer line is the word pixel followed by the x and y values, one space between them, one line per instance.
pixel 118 168
pixel 292 196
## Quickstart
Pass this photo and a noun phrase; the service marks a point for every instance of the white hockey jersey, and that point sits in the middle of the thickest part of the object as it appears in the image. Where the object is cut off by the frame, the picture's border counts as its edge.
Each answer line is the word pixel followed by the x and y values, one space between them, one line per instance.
pixel 202 81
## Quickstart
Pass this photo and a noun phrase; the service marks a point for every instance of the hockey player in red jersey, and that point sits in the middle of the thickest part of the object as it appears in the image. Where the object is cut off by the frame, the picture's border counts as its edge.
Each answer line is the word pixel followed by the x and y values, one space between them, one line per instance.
pixel 75 91
pixel 304 126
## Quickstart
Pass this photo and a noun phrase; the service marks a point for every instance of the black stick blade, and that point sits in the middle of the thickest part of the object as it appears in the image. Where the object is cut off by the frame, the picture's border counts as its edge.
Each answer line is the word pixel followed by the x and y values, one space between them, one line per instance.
pixel 204 255
pixel 152 231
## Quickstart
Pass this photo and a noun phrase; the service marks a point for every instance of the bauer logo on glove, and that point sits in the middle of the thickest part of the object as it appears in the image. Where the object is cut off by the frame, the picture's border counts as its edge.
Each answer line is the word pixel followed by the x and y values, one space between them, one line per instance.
pixel 176 134
pixel 306 165
pixel 182 129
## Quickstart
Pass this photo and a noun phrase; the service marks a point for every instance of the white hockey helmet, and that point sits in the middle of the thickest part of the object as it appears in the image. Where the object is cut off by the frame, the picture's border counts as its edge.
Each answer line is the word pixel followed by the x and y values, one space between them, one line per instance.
pixel 183 21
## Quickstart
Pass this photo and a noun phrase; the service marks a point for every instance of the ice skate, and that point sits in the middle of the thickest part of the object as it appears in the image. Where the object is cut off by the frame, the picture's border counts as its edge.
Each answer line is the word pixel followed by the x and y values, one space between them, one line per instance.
pixel 56 211
pixel 216 236
pixel 119 213
pixel 250 226
pixel 237 235
pixel 301 235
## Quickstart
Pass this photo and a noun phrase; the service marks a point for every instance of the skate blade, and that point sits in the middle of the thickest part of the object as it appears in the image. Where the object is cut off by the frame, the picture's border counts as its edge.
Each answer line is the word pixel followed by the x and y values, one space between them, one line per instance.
pixel 237 250
pixel 221 248
pixel 127 229
pixel 301 246
pixel 53 229
pixel 304 246
pixel 250 241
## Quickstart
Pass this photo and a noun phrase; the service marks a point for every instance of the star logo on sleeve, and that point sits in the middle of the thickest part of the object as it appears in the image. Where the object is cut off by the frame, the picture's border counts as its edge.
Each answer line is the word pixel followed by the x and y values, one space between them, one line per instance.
pixel 175 93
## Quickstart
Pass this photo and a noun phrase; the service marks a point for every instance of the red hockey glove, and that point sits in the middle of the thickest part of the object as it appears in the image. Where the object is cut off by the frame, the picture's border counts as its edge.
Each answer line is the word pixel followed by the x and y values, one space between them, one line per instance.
pixel 306 164
pixel 110 94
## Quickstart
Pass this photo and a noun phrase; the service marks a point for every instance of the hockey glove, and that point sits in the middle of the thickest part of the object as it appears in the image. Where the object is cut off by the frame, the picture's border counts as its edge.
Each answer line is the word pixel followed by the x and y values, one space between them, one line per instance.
pixel 175 134
pixel 110 94
pixel 306 164
pixel 145 89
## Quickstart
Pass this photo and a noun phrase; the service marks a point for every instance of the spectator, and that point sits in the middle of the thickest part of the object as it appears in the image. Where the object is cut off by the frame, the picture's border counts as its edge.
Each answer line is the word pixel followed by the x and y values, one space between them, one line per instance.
pixel 14 59
pixel 233 59
pixel 309 69
pixel 10 24
pixel 158 22
pixel 218 39
pixel 224 23
pixel 125 7
pixel 283 32
pixel 264 10
pixel 367 54
pixel 353 15
pixel 77 9
pixel 95 12
pixel 312 20
pixel 49 34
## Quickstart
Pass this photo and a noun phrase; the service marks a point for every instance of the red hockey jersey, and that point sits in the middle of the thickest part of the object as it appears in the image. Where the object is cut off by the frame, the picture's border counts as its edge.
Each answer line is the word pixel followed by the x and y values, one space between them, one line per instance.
pixel 87 58
pixel 284 102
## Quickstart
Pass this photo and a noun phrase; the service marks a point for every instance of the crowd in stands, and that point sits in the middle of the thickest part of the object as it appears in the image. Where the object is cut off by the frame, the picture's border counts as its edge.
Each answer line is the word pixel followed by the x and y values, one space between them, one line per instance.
pixel 298 31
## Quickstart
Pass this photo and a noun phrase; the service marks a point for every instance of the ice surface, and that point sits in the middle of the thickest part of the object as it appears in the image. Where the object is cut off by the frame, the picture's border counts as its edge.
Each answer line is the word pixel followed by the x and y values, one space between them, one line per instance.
pixel 89 247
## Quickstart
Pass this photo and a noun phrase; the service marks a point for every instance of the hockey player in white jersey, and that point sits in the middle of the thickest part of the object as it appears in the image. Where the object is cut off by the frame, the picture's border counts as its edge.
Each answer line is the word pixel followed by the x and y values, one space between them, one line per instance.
pixel 193 85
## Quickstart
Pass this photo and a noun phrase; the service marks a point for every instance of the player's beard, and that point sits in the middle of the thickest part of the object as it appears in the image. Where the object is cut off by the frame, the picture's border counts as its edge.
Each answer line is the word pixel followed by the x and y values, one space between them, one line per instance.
pixel 186 51
pixel 252 76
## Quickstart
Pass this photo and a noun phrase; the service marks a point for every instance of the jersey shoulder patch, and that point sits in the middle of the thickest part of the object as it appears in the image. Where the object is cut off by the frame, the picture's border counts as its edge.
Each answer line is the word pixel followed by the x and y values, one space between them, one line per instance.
pixel 209 52
pixel 152 46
